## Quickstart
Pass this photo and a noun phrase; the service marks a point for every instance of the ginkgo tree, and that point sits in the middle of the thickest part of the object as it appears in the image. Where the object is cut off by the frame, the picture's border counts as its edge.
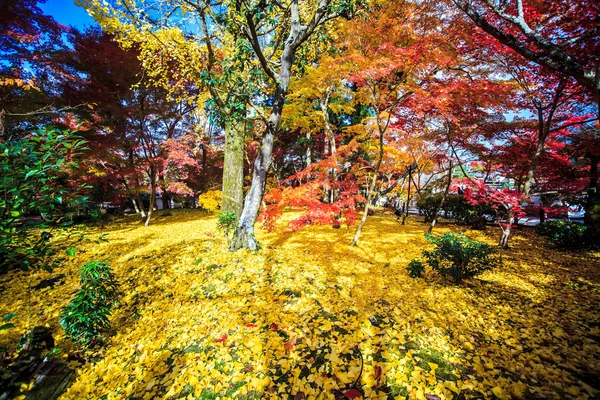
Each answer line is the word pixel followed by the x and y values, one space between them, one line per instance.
pixel 232 42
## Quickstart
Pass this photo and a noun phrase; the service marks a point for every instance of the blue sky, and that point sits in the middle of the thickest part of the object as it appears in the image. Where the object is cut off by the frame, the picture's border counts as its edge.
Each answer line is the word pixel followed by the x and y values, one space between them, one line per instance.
pixel 67 13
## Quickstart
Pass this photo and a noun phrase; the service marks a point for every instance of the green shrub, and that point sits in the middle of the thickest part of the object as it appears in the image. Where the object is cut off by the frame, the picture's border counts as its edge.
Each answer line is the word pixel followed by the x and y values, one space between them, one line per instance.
pixel 415 268
pixel 455 207
pixel 226 222
pixel 32 182
pixel 457 256
pixel 428 205
pixel 85 318
pixel 565 235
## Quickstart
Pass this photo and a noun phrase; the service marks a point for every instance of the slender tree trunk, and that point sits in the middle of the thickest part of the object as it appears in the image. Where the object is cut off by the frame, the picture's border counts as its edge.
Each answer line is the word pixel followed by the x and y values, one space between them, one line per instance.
pixel 152 176
pixel 204 174
pixel 592 204
pixel 531 170
pixel 152 203
pixel 370 188
pixel 135 206
pixel 166 199
pixel 308 155
pixel 324 104
pixel 407 196
pixel 365 211
pixel 506 229
pixel 233 168
pixel 544 124
pixel 444 196
pixel 138 198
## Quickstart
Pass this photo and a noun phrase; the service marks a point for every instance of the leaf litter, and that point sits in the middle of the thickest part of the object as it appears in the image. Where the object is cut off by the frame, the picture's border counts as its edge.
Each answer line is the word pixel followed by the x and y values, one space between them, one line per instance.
pixel 309 317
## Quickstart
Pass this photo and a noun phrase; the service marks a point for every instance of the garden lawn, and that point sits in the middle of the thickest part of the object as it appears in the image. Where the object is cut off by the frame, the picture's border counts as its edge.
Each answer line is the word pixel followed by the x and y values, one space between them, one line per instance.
pixel 308 315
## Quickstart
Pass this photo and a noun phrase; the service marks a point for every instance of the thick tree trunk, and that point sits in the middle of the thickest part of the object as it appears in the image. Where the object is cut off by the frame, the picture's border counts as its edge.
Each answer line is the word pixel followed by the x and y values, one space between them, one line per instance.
pixel 244 233
pixel 233 169
pixel 298 34
pixel 444 196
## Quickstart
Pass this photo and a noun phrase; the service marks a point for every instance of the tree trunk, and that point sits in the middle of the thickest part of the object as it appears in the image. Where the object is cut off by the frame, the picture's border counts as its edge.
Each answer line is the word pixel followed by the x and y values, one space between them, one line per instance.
pixel 244 233
pixel 439 206
pixel 308 154
pixel 506 230
pixel 532 166
pixel 407 196
pixel 166 199
pixel 592 204
pixel 298 34
pixel 365 212
pixel 324 104
pixel 544 124
pixel 233 169
pixel 152 203
pixel 371 187
pixel 138 198
pixel 204 174
pixel 135 206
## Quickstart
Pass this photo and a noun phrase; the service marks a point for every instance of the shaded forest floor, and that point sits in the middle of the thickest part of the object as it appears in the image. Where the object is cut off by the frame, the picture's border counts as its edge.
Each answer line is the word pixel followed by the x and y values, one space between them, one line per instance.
pixel 297 319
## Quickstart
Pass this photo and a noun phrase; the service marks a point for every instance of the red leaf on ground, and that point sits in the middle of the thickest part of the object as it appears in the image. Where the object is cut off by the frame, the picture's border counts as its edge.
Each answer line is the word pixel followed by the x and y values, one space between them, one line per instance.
pixel 353 394
pixel 222 339
pixel 378 372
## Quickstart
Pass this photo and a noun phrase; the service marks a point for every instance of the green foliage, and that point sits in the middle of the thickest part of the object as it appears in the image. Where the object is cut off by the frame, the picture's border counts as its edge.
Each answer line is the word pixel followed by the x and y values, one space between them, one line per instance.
pixel 85 318
pixel 7 325
pixel 566 235
pixel 428 205
pixel 31 184
pixel 457 256
pixel 415 268
pixel 226 222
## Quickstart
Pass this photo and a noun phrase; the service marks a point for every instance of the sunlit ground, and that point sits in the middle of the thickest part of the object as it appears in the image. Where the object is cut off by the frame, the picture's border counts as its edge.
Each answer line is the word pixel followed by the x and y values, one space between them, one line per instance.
pixel 301 317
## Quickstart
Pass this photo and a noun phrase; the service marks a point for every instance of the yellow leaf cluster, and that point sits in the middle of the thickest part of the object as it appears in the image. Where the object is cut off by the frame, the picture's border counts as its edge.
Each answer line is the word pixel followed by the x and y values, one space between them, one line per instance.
pixel 211 200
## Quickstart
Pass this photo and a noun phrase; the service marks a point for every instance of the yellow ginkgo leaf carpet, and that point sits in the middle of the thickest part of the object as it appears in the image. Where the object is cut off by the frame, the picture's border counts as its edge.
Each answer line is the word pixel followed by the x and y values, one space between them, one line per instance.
pixel 309 317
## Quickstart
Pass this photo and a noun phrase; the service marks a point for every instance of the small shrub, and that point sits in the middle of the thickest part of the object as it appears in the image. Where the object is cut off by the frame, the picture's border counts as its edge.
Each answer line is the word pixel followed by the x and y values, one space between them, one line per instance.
pixel 428 205
pixel 226 222
pixel 565 235
pixel 85 318
pixel 457 256
pixel 415 268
